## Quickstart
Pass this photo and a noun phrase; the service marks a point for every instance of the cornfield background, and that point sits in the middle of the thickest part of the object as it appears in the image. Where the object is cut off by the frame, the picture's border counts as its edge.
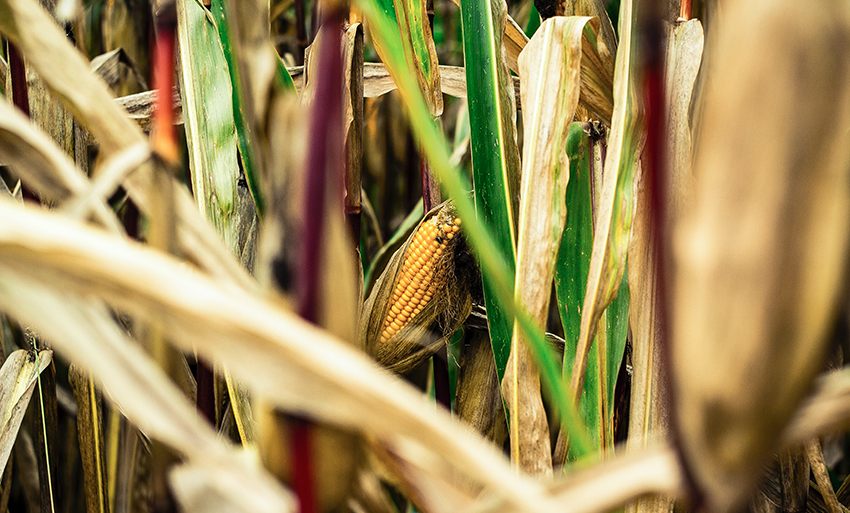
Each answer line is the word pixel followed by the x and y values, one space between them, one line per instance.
pixel 406 255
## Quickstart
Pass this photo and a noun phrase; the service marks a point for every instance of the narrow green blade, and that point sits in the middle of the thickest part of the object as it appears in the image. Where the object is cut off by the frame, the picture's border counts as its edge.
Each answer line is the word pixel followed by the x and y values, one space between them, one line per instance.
pixel 617 329
pixel 616 200
pixel 573 262
pixel 495 157
pixel 533 21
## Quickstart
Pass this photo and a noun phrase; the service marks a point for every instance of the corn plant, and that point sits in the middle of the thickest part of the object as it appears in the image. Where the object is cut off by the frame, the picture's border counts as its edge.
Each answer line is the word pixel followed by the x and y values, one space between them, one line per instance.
pixel 465 256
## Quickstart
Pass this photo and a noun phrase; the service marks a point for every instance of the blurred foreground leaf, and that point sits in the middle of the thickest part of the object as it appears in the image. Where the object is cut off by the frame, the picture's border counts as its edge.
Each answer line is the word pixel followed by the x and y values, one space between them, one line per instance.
pixel 761 253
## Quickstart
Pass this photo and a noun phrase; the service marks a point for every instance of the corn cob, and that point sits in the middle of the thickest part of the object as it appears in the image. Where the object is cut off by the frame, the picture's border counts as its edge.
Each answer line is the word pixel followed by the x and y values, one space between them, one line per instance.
pixel 421 274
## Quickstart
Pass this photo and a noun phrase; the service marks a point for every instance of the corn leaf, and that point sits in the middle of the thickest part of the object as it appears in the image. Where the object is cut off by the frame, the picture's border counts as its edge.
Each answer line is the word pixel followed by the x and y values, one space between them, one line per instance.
pixel 90 432
pixel 550 67
pixel 420 53
pixel 495 156
pixel 17 379
pixel 571 269
pixel 208 117
pixel 595 8
pixel 257 76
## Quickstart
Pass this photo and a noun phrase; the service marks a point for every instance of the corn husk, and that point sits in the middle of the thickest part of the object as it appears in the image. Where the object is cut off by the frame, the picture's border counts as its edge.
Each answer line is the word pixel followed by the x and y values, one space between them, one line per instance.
pixel 429 330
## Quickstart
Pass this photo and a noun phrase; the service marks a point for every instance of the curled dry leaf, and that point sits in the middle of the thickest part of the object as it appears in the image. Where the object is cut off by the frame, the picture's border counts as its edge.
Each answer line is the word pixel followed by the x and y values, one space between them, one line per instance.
pixel 597 74
pixel 595 8
pixel 17 379
pixel 479 398
pixel 760 259
pixel 549 68
pixel 422 297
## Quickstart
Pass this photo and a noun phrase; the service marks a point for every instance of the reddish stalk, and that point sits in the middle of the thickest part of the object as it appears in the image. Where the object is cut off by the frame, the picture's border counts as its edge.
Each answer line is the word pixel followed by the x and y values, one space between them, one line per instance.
pixel 685 7
pixel 20 98
pixel 655 151
pixel 163 141
pixel 163 136
pixel 324 162
pixel 18 71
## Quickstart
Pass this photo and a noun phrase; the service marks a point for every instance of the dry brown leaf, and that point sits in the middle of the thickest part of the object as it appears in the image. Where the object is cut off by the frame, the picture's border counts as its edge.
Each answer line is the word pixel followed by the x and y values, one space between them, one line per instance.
pixel 595 8
pixel 684 57
pixel 550 67
pixel 17 382
pixel 514 42
pixel 478 401
pixel 90 435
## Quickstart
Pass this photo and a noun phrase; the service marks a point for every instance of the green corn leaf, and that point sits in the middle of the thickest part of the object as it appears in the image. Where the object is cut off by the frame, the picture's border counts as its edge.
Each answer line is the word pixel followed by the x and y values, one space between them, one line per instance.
pixel 571 269
pixel 495 157
pixel 208 117
pixel 533 21
pixel 617 329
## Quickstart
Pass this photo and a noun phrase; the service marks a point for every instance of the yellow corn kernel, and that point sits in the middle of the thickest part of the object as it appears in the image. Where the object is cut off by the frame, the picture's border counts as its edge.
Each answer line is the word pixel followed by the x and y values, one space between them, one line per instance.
pixel 418 281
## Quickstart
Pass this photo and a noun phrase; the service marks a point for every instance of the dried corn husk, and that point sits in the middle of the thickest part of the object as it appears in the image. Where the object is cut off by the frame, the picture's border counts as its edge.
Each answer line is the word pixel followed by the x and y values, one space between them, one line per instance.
pixel 427 331
pixel 479 398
